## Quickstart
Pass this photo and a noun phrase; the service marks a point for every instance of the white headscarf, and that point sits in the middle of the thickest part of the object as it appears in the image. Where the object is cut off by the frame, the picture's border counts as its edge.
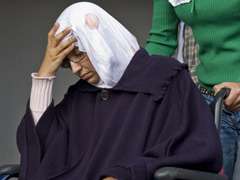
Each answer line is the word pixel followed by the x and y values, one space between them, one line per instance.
pixel 108 44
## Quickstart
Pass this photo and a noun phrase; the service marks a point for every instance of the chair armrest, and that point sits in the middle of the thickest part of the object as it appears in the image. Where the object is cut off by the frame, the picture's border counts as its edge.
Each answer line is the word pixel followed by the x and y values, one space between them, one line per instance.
pixel 10 169
pixel 171 173
pixel 217 106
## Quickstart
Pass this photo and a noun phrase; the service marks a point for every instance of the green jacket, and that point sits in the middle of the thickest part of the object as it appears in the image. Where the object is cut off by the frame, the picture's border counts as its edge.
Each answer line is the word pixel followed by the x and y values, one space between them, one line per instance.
pixel 216 27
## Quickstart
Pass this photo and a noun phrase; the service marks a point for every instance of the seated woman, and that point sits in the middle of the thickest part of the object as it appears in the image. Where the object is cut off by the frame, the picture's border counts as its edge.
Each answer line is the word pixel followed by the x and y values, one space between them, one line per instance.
pixel 129 114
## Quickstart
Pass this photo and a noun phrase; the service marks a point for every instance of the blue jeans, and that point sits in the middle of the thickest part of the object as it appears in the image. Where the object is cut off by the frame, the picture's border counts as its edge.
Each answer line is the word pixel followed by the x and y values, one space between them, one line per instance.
pixel 230 139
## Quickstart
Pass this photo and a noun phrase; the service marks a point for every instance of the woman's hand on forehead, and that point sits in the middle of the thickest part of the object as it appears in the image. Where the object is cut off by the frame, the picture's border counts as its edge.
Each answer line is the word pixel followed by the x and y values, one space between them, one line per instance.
pixel 56 51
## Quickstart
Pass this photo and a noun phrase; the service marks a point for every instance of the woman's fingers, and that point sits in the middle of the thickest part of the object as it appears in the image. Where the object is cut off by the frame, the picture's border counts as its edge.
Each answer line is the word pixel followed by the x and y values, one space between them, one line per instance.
pixel 53 38
pixel 52 32
pixel 66 51
pixel 56 51
pixel 65 44
pixel 59 37
pixel 55 47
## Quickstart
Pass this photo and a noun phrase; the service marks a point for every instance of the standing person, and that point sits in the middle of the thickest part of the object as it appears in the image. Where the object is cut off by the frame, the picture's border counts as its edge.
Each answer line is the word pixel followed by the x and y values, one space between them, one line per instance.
pixel 216 27
pixel 187 50
pixel 110 125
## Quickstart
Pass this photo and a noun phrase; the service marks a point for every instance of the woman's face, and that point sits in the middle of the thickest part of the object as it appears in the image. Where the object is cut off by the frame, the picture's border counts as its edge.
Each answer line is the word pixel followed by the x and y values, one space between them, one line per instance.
pixel 82 66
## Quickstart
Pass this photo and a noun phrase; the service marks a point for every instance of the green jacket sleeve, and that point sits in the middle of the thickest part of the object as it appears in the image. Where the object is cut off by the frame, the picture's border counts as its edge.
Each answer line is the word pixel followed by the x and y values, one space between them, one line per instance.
pixel 163 40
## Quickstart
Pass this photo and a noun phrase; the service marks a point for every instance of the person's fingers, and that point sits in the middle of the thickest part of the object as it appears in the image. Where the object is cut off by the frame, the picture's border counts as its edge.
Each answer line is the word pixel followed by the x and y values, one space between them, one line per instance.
pixel 66 51
pixel 218 87
pixel 59 37
pixel 234 107
pixel 54 40
pixel 65 44
pixel 233 102
pixel 230 99
pixel 51 62
pixel 52 32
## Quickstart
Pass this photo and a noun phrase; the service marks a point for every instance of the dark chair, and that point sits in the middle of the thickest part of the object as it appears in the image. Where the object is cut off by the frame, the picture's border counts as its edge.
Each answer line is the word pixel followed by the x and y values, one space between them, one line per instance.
pixel 9 171
pixel 164 173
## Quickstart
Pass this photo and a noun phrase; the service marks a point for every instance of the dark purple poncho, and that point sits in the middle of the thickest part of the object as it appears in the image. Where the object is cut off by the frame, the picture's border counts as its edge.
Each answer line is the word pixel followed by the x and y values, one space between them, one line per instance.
pixel 155 116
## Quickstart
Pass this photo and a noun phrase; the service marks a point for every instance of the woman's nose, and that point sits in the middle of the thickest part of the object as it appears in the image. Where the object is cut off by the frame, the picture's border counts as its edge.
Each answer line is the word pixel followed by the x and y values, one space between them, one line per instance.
pixel 76 67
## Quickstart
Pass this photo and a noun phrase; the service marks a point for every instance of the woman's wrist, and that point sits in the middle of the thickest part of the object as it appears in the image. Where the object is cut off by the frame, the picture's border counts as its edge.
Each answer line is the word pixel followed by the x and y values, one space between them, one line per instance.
pixel 45 74
pixel 37 76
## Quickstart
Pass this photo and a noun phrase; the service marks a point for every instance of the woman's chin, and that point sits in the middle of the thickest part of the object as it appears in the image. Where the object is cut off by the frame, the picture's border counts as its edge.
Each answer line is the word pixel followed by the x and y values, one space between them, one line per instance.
pixel 92 80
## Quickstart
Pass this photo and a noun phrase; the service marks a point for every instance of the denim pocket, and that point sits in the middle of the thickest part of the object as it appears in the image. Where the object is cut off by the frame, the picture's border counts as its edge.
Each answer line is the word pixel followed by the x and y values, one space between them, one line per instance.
pixel 229 118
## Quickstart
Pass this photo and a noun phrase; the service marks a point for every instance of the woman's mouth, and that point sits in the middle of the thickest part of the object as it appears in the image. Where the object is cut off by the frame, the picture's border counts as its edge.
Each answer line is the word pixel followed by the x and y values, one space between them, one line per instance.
pixel 84 76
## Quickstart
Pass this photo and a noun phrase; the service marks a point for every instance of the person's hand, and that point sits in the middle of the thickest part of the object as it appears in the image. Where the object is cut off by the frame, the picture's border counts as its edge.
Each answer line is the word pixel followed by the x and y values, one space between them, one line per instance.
pixel 56 51
pixel 232 103
pixel 109 178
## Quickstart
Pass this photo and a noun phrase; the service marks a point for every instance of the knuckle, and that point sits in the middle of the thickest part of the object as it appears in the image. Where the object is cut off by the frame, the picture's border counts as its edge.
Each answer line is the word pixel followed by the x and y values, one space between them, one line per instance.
pixel 70 40
pixel 71 47
pixel 50 34
pixel 238 91
pixel 67 30
pixel 57 38
pixel 61 46
pixel 227 104
pixel 66 52
pixel 63 53
pixel 51 54
pixel 48 52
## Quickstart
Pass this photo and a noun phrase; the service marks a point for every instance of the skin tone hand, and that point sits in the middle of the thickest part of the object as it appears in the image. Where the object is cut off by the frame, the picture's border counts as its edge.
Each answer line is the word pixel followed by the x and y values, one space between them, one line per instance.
pixel 232 103
pixel 56 51
pixel 109 178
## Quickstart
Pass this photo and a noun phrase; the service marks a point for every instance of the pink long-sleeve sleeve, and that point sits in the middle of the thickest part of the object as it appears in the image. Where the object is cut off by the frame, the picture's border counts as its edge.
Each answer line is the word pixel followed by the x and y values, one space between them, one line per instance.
pixel 41 95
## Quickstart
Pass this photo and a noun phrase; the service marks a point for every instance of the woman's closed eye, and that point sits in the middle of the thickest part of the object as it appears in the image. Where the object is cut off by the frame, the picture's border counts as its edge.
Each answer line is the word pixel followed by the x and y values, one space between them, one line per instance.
pixel 77 58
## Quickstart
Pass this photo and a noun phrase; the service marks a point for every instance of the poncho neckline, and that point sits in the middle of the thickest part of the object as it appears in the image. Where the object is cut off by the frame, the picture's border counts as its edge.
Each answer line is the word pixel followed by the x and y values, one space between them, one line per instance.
pixel 136 69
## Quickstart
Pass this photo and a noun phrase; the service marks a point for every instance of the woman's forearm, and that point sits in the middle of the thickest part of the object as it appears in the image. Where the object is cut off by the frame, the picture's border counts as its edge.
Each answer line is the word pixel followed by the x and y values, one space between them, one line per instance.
pixel 41 95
